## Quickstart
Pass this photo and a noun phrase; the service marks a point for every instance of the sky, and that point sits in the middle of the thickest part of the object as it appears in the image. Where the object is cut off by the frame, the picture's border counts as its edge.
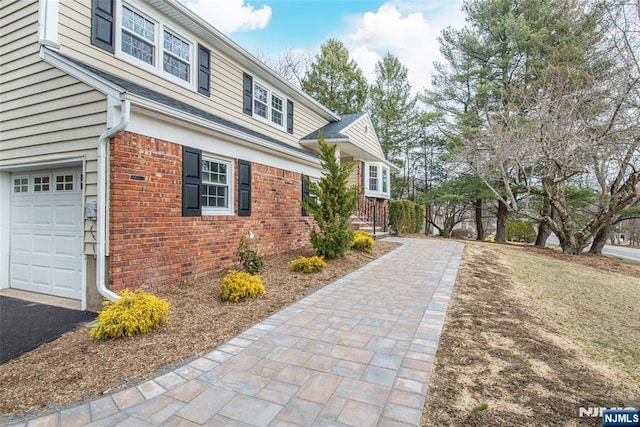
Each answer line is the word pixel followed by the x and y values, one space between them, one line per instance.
pixel 369 29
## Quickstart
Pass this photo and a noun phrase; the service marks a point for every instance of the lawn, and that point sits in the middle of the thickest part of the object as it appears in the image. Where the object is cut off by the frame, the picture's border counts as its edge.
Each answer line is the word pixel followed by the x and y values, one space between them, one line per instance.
pixel 533 335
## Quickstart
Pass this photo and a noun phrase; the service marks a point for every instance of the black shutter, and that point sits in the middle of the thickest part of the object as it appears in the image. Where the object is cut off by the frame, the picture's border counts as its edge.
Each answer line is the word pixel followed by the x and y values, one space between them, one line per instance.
pixel 244 188
pixel 362 175
pixel 305 193
pixel 204 71
pixel 191 181
pixel 103 24
pixel 247 104
pixel 290 116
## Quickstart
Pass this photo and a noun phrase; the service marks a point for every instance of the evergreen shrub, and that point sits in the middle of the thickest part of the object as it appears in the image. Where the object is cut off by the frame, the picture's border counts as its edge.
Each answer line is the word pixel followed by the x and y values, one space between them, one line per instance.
pixel 136 312
pixel 362 241
pixel 520 231
pixel 405 216
pixel 238 285
pixel 308 265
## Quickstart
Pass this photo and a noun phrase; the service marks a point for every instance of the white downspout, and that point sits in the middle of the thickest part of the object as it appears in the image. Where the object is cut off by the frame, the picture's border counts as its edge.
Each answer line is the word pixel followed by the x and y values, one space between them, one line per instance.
pixel 101 261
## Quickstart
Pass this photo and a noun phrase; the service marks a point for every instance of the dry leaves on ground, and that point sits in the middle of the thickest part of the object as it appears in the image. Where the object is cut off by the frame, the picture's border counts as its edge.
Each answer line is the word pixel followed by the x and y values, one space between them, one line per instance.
pixel 75 367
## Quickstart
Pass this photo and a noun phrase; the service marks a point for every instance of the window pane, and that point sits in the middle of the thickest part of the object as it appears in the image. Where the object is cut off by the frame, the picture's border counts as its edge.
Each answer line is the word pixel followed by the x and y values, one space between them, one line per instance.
pixel 373 178
pixel 137 48
pixel 276 117
pixel 260 94
pixel 138 24
pixel 385 178
pixel 176 67
pixel 176 46
pixel 21 185
pixel 41 183
pixel 64 183
pixel 276 103
pixel 260 109
pixel 214 196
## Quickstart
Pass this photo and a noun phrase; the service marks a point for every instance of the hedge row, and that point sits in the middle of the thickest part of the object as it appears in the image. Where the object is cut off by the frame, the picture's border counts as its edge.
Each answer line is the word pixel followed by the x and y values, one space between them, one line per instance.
pixel 405 216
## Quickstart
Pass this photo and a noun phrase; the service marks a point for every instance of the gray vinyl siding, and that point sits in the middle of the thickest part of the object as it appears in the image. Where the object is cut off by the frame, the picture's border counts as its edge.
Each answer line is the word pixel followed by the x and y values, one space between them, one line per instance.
pixel 226 76
pixel 46 115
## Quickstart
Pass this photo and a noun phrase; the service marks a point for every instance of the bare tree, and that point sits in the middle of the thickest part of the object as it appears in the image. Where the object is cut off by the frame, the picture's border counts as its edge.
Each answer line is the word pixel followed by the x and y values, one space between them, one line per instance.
pixel 292 64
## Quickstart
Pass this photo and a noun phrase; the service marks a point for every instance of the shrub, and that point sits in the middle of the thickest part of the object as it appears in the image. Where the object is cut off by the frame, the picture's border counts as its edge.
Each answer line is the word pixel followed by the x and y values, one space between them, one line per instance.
pixel 405 216
pixel 252 262
pixel 308 265
pixel 134 313
pixel 520 231
pixel 238 285
pixel 331 201
pixel 362 241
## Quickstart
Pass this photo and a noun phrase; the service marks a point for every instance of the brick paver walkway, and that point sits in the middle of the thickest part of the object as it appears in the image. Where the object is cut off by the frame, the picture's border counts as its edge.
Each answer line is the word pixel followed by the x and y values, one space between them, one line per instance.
pixel 357 352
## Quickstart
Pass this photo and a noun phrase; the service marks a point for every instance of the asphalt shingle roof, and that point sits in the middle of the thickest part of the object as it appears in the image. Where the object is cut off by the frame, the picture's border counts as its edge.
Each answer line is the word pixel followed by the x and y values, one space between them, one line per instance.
pixel 333 129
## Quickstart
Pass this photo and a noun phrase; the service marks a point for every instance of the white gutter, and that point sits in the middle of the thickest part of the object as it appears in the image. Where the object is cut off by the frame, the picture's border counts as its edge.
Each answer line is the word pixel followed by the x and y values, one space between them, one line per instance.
pixel 101 261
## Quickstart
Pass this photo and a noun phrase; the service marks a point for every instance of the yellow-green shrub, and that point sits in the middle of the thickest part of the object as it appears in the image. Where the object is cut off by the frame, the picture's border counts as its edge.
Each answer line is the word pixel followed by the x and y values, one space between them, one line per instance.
pixel 308 265
pixel 136 312
pixel 362 241
pixel 238 285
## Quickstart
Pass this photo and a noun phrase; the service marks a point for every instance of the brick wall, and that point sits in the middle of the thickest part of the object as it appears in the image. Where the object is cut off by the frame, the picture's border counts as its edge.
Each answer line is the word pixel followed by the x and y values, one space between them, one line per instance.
pixel 152 245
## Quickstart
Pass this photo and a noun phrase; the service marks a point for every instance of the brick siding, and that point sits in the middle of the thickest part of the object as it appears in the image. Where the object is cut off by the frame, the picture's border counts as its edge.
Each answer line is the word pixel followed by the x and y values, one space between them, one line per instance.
pixel 152 245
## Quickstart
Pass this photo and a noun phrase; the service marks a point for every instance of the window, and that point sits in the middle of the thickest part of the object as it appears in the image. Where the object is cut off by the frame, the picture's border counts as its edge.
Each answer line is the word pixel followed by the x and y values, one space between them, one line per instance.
pixel 268 105
pixel 216 179
pixel 385 179
pixel 373 178
pixel 260 96
pixel 149 41
pixel 176 56
pixel 138 36
pixel 41 184
pixel 64 183
pixel 21 185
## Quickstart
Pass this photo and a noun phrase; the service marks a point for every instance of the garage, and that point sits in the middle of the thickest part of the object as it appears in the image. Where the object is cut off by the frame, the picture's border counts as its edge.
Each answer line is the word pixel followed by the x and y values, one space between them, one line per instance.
pixel 46 232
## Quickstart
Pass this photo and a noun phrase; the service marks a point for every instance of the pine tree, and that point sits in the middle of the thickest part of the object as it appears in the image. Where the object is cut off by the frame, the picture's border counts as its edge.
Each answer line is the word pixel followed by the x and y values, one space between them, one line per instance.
pixel 332 203
pixel 335 81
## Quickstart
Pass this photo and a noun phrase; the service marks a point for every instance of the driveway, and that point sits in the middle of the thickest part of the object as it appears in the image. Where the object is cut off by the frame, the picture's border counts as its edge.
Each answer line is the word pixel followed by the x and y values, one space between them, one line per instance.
pixel 25 325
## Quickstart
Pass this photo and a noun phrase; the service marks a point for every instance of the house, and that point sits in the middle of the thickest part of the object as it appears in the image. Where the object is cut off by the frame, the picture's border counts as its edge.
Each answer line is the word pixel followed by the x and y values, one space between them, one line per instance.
pixel 138 144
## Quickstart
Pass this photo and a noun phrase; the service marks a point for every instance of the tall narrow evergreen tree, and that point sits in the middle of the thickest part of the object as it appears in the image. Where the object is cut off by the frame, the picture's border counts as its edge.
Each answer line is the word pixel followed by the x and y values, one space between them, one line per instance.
pixel 332 202
pixel 335 81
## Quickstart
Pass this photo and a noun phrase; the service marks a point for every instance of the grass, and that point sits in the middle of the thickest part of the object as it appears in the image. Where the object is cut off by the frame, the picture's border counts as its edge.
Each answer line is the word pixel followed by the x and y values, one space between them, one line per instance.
pixel 598 309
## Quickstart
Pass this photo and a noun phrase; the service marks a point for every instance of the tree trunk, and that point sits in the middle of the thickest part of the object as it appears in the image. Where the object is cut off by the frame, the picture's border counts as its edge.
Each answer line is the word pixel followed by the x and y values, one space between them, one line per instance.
pixel 501 222
pixel 543 230
pixel 479 224
pixel 599 240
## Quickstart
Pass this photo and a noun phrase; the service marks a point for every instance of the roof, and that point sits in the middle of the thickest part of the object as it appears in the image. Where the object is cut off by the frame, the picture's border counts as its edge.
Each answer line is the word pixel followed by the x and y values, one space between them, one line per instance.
pixel 334 129
pixel 152 95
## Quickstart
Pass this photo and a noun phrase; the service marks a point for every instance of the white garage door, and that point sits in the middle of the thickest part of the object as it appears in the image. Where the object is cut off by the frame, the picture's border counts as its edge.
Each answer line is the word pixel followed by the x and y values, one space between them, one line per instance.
pixel 46 233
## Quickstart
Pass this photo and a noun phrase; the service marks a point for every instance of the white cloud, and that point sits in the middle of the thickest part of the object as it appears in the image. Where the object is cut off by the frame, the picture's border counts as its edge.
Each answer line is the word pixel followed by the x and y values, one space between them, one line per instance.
pixel 409 33
pixel 231 16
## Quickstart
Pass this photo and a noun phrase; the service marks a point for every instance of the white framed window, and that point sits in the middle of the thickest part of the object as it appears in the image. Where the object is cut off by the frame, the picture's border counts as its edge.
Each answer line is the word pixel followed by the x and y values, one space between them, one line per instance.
pixel 64 182
pixel 176 58
pixel 268 105
pixel 138 37
pixel 41 183
pixel 373 178
pixel 217 188
pixel 21 185
pixel 385 180
pixel 147 42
